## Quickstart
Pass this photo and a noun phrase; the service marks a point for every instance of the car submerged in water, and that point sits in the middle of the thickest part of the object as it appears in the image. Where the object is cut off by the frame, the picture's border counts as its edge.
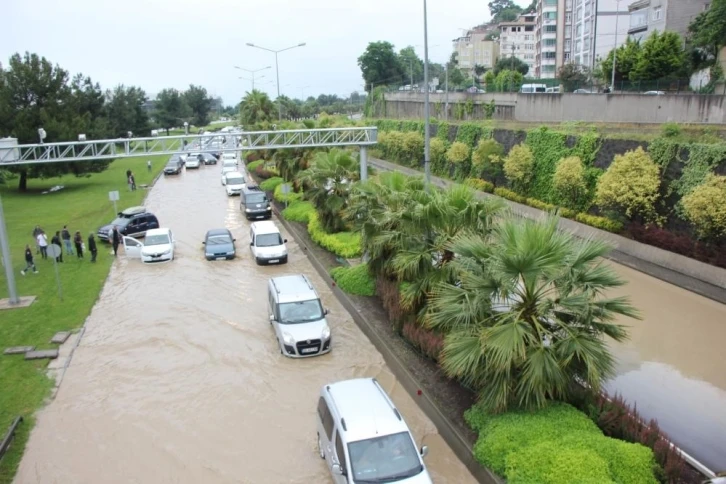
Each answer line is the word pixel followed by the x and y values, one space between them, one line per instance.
pixel 132 222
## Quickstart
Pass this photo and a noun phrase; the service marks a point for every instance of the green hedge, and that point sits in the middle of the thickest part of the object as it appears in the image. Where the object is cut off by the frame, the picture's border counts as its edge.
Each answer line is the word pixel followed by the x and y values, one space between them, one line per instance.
pixel 354 280
pixel 342 244
pixel 479 184
pixel 521 446
pixel 286 197
pixel 600 222
pixel 251 166
pixel 270 184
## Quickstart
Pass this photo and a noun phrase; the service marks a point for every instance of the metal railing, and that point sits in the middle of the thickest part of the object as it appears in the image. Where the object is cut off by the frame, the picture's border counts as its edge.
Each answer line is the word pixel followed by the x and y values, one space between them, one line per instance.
pixel 129 147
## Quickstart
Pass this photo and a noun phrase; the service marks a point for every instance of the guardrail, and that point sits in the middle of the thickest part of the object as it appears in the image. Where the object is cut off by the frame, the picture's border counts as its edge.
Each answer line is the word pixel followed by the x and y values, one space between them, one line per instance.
pixel 5 444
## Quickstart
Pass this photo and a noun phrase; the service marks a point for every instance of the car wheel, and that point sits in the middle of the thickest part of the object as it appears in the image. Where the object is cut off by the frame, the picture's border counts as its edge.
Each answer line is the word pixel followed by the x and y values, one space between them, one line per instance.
pixel 320 448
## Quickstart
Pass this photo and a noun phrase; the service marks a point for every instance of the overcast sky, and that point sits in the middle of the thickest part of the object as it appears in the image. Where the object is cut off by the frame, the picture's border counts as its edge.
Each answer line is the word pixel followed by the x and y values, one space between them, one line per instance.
pixel 156 44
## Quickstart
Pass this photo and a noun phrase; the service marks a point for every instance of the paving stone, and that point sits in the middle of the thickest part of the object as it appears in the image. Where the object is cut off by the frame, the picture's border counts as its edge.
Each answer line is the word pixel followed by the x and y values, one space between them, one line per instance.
pixel 18 350
pixel 41 354
pixel 60 337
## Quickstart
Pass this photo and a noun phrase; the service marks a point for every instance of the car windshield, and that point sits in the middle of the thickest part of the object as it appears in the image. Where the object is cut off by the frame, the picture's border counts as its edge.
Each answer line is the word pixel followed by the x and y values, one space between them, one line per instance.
pixel 301 312
pixel 268 240
pixel 158 239
pixel 120 222
pixel 384 459
pixel 237 180
pixel 219 239
pixel 256 198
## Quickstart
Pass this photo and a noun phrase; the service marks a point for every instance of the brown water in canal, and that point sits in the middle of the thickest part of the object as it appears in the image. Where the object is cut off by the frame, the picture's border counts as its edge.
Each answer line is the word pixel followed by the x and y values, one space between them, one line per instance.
pixel 178 377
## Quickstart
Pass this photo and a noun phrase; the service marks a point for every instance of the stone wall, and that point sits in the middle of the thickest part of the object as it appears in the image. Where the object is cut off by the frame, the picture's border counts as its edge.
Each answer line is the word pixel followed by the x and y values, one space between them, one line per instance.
pixel 557 108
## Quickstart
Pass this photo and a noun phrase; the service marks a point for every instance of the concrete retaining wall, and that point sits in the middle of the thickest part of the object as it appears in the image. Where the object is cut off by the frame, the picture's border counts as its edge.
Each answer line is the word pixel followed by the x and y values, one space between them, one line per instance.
pixel 557 108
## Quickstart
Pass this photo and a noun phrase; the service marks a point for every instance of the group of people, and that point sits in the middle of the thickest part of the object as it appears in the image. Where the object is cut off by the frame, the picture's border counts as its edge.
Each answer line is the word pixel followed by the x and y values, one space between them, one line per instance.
pixel 63 239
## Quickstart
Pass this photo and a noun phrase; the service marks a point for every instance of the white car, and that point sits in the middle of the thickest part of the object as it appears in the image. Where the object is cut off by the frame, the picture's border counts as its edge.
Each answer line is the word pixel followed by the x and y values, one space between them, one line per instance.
pixel 228 167
pixel 267 244
pixel 192 160
pixel 234 182
pixel 158 246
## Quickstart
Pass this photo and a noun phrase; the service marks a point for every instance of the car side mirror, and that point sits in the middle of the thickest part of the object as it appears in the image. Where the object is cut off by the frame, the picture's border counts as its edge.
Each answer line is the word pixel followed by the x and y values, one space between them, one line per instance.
pixel 272 317
pixel 204 243
pixel 234 240
pixel 138 245
pixel 337 470
pixel 326 311
pixel 424 451
pixel 252 244
pixel 284 241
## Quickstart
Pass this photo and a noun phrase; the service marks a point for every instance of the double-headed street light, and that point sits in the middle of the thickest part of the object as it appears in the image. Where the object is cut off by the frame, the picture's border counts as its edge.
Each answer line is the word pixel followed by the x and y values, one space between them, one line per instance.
pixel 277 69
pixel 252 72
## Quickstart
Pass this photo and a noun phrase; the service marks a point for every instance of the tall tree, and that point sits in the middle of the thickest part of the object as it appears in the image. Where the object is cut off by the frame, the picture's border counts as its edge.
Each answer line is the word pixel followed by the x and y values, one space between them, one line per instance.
pixel 511 63
pixel 503 11
pixel 573 76
pixel 496 6
pixel 256 107
pixel 411 64
pixel 126 111
pixel 708 29
pixel 628 55
pixel 662 57
pixel 35 94
pixel 170 109
pixel 200 103
pixel 380 65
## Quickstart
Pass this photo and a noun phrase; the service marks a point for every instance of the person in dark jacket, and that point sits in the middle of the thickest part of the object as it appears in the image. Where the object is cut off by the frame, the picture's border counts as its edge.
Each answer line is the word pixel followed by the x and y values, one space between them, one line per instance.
pixel 115 239
pixel 29 264
pixel 66 236
pixel 57 241
pixel 78 242
pixel 92 247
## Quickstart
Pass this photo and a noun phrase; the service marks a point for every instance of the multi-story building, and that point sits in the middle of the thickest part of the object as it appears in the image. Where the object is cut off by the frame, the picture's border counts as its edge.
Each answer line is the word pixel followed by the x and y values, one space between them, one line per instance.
pixel 517 39
pixel 594 24
pixel 553 31
pixel 474 49
pixel 647 16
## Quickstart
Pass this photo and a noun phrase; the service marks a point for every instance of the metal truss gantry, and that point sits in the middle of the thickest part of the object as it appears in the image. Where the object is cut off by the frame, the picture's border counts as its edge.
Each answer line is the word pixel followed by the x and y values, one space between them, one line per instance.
pixel 159 145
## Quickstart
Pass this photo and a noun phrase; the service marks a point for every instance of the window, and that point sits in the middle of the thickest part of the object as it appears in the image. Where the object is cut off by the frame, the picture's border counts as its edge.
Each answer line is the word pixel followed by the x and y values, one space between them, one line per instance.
pixel 550 42
pixel 657 11
pixel 587 27
pixel 326 417
pixel 568 44
pixel 550 55
pixel 339 451
pixel 567 56
pixel 578 46
pixel 548 68
pixel 550 3
pixel 550 15
pixel 381 459
pixel 578 31
pixel 550 29
pixel 568 18
pixel 638 19
pixel 529 46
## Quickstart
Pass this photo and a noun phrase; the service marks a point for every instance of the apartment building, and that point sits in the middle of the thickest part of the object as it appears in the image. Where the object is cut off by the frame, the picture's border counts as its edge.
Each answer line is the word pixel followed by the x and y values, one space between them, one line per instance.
pixel 647 16
pixel 474 49
pixel 553 37
pixel 517 38
pixel 594 24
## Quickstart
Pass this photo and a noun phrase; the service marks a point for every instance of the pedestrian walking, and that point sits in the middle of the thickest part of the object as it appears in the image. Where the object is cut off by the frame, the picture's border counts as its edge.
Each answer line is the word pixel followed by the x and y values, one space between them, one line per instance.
pixel 78 241
pixel 92 247
pixel 36 232
pixel 29 264
pixel 115 239
pixel 57 241
pixel 129 181
pixel 42 242
pixel 148 165
pixel 66 236
pixel 132 180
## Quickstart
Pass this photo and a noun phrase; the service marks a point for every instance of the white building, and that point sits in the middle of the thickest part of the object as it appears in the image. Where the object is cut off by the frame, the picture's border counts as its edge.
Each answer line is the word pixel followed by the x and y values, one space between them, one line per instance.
pixel 474 49
pixel 647 16
pixel 553 31
pixel 594 25
pixel 517 39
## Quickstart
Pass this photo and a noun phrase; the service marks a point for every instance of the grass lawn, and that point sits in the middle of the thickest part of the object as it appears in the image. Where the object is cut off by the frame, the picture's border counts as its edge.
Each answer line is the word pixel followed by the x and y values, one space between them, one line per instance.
pixel 82 205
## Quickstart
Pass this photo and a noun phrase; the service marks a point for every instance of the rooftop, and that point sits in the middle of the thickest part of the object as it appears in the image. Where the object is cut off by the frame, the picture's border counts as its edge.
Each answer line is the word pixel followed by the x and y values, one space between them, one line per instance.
pixel 294 288
pixel 265 227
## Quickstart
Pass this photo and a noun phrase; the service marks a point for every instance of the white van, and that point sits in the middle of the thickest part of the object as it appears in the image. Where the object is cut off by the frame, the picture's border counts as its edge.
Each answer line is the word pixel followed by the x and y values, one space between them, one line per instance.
pixel 229 156
pixel 266 243
pixel 363 437
pixel 533 88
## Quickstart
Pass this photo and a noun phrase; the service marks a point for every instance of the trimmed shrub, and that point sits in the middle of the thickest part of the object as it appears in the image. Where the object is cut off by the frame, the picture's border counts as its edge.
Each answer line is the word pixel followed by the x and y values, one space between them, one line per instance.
pixel 343 244
pixel 429 343
pixel 413 148
pixel 355 280
pixel 270 184
pixel 569 182
pixel 265 172
pixel 519 166
pixel 437 150
pixel 457 153
pixel 289 197
pixel 479 184
pixel 705 207
pixel 510 195
pixel 254 164
pixel 508 444
pixel 630 184
pixel 679 243
pixel 600 222
pixel 299 212
pixel 486 159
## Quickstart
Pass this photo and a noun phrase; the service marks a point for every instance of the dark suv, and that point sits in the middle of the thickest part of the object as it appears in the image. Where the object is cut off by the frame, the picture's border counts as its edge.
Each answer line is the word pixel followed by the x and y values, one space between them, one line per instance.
pixel 133 222
pixel 254 202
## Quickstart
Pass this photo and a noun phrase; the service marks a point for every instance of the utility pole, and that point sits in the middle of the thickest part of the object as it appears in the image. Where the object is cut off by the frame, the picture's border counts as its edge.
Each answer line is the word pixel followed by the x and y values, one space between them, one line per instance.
pixel 615 49
pixel 427 107
pixel 446 92
pixel 277 71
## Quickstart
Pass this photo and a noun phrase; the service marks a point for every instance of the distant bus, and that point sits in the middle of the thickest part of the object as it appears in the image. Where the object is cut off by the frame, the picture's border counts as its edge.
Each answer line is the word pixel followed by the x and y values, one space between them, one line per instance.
pixel 533 88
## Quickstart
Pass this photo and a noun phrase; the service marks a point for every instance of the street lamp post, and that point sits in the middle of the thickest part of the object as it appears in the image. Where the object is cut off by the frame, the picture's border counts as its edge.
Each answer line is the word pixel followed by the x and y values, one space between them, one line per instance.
pixel 427 129
pixel 252 80
pixel 252 72
pixel 615 49
pixel 277 69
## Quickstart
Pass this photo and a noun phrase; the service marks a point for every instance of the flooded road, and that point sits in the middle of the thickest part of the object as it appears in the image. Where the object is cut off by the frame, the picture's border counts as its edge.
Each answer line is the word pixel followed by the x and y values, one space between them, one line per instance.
pixel 178 377
pixel 674 367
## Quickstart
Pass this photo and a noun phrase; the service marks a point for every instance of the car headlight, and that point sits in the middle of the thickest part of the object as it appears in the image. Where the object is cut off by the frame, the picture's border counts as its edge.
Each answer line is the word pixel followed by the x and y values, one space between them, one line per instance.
pixel 247 210
pixel 269 208
pixel 326 332
pixel 231 252
pixel 168 251
pixel 288 339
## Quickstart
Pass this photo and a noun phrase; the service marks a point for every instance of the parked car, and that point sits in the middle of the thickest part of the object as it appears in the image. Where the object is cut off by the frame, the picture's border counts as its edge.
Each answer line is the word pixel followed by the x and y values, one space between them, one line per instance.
pixel 228 167
pixel 193 160
pixel 158 246
pixel 219 245
pixel 582 91
pixel 234 182
pixel 173 167
pixel 254 203
pixel 209 159
pixel 654 93
pixel 297 316
pixel 132 222
pixel 363 438
pixel 266 243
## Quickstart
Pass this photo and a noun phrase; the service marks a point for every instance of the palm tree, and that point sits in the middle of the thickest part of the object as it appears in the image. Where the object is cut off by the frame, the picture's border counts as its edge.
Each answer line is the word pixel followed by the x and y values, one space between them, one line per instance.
pixel 327 183
pixel 291 162
pixel 256 107
pixel 527 315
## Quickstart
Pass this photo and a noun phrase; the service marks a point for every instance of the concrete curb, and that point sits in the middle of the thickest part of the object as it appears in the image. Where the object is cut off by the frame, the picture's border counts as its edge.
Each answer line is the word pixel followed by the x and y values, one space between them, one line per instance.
pixel 695 276
pixel 453 438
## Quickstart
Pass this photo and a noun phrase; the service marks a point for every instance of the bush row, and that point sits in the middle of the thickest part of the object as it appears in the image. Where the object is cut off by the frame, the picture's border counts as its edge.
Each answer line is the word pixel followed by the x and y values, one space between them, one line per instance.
pixel 354 280
pixel 343 244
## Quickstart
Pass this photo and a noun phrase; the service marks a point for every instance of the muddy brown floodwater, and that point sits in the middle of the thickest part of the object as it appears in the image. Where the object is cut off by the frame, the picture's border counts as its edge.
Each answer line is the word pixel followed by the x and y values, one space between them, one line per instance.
pixel 178 377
